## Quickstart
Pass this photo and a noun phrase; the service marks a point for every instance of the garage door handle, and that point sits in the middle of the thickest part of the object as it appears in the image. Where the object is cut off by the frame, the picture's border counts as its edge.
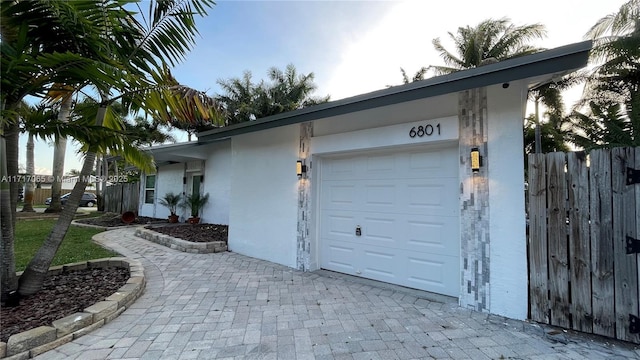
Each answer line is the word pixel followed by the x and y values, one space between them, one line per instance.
pixel 358 230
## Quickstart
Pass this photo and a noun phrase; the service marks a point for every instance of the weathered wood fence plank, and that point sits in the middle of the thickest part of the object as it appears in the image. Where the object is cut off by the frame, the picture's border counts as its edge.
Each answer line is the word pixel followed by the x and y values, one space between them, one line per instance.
pixel 538 261
pixel 580 259
pixel 557 235
pixel 624 224
pixel 601 243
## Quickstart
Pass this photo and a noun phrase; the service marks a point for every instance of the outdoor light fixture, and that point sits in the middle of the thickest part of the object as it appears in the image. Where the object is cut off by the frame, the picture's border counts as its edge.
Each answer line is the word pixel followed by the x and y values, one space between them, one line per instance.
pixel 476 160
pixel 301 168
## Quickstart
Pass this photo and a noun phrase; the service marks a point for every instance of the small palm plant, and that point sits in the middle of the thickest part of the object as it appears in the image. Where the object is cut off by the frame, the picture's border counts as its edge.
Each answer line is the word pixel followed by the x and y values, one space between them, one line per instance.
pixel 171 201
pixel 195 202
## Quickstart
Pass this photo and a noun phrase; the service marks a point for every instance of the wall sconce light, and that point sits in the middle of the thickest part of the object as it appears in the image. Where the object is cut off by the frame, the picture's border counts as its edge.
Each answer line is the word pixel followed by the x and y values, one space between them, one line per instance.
pixel 476 160
pixel 301 169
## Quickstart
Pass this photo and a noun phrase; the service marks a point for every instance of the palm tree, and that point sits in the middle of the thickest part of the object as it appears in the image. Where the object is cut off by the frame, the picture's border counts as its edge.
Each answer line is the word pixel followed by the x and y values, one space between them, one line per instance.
pixel 286 90
pixel 27 67
pixel 182 107
pixel 554 133
pixel 238 99
pixel 612 91
pixel 131 49
pixel 603 126
pixel 29 115
pixel 488 42
pixel 419 75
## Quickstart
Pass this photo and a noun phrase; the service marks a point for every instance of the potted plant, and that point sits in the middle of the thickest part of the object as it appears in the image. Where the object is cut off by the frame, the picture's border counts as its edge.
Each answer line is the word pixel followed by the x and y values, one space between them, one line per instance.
pixel 171 201
pixel 195 202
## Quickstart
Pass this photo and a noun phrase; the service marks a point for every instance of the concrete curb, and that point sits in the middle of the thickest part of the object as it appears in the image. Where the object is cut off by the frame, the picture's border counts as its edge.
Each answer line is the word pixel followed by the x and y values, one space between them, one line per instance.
pixel 31 343
pixel 179 244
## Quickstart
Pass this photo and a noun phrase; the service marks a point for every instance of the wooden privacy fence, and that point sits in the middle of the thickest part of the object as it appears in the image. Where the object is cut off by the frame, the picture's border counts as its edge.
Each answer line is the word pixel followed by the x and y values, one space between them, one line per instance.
pixel 583 231
pixel 121 197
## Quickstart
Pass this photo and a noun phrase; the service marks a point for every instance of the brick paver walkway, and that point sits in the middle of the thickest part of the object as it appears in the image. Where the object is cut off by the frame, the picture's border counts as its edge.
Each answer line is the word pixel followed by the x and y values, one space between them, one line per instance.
pixel 229 306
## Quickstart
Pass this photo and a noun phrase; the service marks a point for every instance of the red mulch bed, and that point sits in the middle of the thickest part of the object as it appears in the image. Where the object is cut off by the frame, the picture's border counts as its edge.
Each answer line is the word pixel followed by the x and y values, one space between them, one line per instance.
pixel 62 295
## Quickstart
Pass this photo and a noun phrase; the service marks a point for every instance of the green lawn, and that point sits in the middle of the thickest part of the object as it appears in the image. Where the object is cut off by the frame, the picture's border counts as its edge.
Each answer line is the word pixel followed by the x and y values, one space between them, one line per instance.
pixel 77 245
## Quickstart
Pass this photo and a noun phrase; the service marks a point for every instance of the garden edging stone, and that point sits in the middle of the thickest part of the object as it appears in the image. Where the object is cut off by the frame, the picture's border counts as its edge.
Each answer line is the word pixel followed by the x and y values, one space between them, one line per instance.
pixel 179 244
pixel 31 343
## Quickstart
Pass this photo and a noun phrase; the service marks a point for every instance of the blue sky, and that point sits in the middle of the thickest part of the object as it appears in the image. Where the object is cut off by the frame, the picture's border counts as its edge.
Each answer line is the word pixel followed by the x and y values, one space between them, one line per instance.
pixel 352 47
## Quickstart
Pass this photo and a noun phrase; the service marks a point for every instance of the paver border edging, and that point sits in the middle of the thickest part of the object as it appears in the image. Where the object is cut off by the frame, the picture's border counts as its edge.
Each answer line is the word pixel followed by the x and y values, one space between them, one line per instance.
pixel 30 343
pixel 104 228
pixel 179 244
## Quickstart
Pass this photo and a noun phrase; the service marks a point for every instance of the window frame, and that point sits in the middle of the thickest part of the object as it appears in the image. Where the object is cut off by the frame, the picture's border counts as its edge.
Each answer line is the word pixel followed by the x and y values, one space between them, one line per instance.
pixel 149 189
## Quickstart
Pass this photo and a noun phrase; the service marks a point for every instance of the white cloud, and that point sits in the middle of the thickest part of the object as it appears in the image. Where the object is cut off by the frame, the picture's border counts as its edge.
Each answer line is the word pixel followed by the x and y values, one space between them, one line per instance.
pixel 402 38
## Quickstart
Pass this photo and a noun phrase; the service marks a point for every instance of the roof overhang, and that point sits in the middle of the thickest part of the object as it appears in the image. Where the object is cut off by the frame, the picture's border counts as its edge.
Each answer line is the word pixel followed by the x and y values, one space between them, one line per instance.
pixel 176 153
pixel 539 68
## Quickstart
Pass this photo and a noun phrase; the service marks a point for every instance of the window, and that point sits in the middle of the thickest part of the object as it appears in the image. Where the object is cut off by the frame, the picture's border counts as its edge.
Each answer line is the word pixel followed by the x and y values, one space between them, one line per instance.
pixel 149 189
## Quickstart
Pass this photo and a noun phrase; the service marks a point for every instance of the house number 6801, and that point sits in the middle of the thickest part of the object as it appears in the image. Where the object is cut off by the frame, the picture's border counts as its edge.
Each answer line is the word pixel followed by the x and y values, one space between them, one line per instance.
pixel 421 131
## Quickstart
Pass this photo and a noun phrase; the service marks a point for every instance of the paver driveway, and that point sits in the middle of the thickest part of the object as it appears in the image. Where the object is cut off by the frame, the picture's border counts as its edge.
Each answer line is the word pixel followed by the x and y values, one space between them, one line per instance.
pixel 215 306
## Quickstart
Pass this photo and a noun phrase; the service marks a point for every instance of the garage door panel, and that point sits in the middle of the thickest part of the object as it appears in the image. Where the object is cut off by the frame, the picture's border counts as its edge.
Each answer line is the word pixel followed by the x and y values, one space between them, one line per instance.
pixel 380 195
pixel 430 196
pixel 341 169
pixel 379 230
pixel 382 164
pixel 379 264
pixel 340 257
pixel 433 272
pixel 431 164
pixel 338 225
pixel 432 234
pixel 339 195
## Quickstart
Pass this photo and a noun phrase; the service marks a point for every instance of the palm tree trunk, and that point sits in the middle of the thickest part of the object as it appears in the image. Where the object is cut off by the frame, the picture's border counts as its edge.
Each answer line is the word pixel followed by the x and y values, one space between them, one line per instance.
pixel 33 277
pixel 29 184
pixel 105 175
pixel 8 279
pixel 58 160
pixel 12 135
pixel 8 172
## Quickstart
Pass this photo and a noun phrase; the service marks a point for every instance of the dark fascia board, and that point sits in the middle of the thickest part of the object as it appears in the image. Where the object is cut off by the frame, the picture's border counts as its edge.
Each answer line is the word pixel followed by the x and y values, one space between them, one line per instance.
pixel 558 60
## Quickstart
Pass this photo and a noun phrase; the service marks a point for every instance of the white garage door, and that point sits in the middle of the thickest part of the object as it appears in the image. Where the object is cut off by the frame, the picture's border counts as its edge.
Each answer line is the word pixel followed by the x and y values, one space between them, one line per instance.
pixel 407 209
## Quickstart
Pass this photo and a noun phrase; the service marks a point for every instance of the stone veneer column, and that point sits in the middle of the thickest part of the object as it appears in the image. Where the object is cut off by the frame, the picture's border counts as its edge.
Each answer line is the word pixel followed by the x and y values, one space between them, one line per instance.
pixel 474 201
pixel 304 192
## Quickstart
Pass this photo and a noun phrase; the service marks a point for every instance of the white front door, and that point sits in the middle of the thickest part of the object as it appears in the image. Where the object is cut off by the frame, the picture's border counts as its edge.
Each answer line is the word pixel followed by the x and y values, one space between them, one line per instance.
pixel 393 217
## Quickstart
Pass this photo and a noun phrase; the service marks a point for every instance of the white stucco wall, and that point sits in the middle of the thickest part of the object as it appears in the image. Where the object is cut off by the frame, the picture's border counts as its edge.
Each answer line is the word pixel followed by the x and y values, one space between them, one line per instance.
pixel 263 210
pixel 168 179
pixel 508 264
pixel 217 182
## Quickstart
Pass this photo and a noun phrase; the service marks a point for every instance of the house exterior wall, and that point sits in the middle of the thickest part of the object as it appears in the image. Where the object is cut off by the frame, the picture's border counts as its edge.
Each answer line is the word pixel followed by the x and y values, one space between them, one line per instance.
pixel 217 182
pixel 168 179
pixel 507 226
pixel 264 189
